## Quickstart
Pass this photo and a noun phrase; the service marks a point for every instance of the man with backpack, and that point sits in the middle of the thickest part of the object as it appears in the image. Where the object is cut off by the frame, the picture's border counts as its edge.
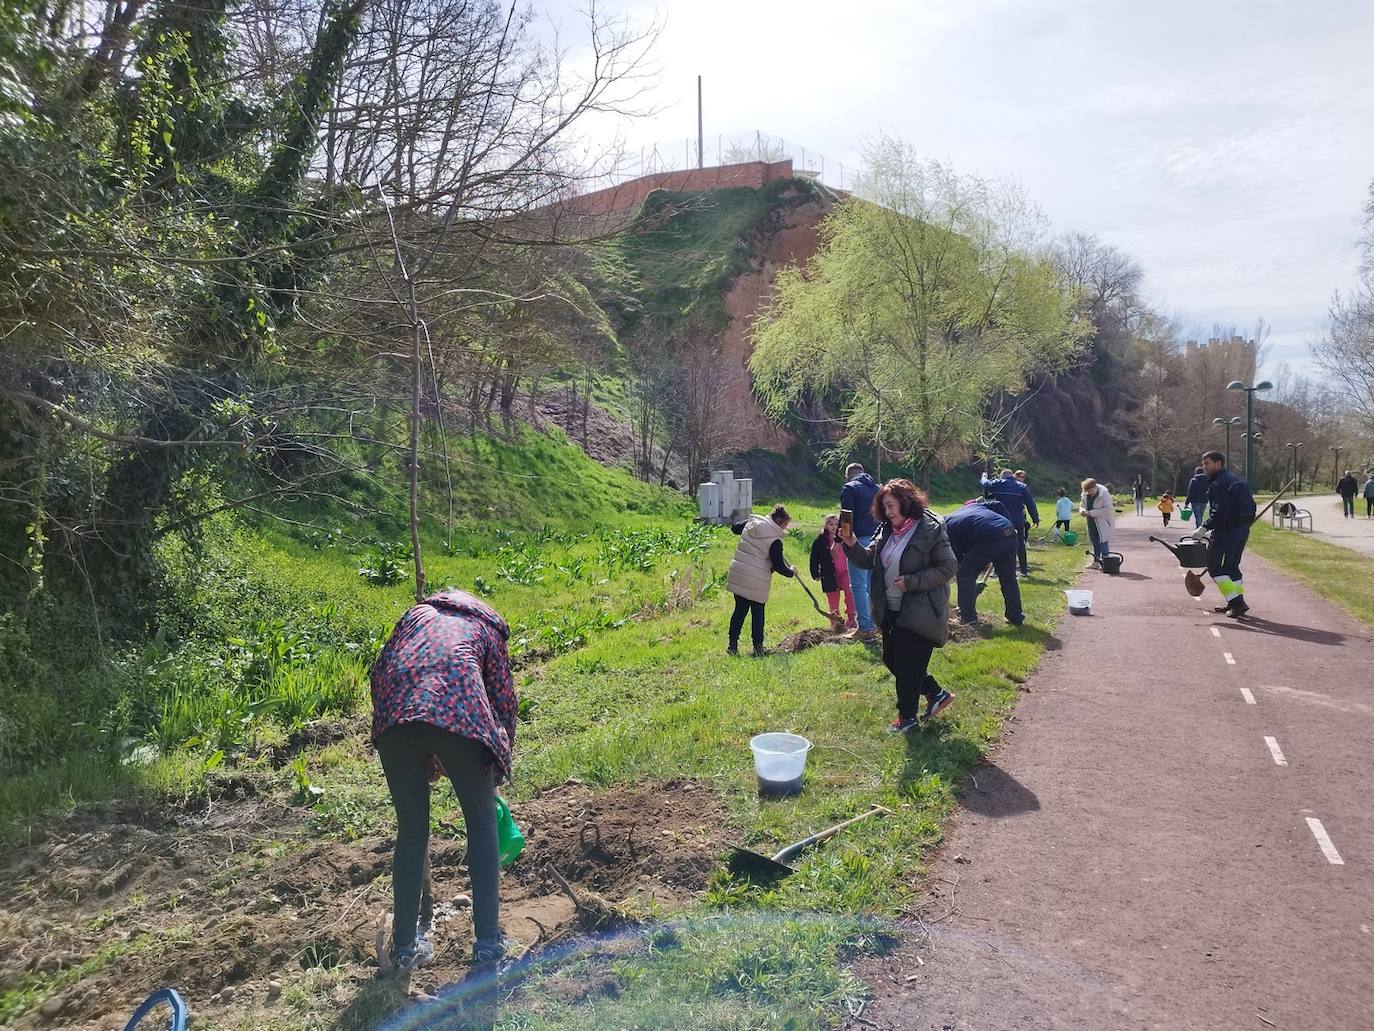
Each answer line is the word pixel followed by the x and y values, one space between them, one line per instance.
pixel 1231 511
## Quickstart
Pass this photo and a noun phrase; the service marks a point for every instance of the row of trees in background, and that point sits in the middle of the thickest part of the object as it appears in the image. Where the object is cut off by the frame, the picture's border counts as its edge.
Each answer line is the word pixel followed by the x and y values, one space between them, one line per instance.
pixel 937 311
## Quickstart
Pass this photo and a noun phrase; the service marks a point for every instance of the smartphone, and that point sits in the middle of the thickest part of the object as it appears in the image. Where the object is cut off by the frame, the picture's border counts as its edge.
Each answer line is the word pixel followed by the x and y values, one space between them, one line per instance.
pixel 846 522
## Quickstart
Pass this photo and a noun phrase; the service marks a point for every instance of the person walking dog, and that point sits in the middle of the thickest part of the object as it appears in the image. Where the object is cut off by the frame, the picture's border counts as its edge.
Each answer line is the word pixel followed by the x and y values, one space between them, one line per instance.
pixel 857 496
pixel 1231 510
pixel 1347 487
pixel 1096 506
pixel 912 564
pixel 757 557
pixel 1016 498
pixel 982 537
pixel 831 568
pixel 1196 495
pixel 443 703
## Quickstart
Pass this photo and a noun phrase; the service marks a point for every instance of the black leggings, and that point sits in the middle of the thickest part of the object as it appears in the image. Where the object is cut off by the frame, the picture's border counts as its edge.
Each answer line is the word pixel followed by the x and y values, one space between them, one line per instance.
pixel 907 655
pixel 1061 524
pixel 405 750
pixel 754 608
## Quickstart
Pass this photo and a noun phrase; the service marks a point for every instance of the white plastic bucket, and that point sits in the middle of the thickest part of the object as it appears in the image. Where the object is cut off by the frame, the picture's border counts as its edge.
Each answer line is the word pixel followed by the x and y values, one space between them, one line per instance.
pixel 779 762
pixel 1080 602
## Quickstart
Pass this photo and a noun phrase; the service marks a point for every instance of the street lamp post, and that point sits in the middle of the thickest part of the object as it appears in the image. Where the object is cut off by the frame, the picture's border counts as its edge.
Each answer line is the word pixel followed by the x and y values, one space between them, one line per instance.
pixel 1228 423
pixel 1257 437
pixel 1335 465
pixel 1236 384
pixel 1297 465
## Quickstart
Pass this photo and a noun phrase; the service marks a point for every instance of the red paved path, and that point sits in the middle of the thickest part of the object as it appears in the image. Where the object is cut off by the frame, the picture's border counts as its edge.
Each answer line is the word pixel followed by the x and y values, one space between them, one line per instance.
pixel 1133 856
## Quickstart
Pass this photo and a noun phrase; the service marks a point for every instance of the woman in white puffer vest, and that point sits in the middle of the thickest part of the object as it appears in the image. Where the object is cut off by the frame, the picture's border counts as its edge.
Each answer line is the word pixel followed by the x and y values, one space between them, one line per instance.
pixel 757 558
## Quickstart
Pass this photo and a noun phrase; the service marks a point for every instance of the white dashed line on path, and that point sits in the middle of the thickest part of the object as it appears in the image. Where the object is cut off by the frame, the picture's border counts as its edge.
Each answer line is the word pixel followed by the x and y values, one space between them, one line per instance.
pixel 1230 660
pixel 1216 632
pixel 1324 842
pixel 1247 695
pixel 1274 750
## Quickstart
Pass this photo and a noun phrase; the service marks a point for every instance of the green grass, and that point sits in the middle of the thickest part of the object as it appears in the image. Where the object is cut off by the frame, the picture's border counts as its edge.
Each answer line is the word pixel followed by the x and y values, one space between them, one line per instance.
pixel 623 611
pixel 657 699
pixel 1337 574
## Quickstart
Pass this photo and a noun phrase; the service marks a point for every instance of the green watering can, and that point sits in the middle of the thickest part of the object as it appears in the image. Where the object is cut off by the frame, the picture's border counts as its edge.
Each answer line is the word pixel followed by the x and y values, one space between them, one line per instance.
pixel 1069 537
pixel 510 842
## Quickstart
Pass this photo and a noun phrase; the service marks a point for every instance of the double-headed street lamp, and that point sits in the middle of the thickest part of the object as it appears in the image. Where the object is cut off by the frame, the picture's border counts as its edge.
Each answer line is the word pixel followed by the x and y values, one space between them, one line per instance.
pixel 1297 465
pixel 1228 423
pixel 1236 384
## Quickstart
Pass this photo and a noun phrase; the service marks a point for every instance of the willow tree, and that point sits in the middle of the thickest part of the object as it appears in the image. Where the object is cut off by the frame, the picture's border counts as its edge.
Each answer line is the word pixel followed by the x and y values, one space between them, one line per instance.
pixel 932 295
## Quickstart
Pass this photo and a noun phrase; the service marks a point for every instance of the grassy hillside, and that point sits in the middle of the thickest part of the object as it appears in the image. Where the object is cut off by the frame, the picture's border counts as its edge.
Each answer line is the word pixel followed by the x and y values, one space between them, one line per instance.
pixel 252 703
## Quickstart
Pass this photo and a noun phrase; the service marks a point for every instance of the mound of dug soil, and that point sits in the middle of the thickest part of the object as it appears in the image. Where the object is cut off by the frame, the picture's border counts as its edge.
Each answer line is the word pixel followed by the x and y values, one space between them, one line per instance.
pixel 232 914
pixel 811 637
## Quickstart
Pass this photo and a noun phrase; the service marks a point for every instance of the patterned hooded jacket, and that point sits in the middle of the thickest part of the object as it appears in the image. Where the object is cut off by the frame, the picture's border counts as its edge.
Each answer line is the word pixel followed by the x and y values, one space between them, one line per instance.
pixel 446 664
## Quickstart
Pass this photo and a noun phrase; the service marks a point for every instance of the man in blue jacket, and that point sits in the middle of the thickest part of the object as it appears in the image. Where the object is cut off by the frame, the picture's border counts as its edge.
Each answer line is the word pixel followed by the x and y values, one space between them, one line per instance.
pixel 1231 510
pixel 857 496
pixel 1016 498
pixel 981 535
pixel 1196 497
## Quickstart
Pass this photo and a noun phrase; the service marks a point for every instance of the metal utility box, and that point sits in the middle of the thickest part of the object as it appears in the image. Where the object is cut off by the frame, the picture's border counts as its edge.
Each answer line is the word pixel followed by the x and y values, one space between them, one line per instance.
pixel 725 499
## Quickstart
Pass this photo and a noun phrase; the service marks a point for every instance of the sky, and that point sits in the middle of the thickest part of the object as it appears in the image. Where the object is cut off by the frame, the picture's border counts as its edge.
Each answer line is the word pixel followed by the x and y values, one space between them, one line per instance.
pixel 1226 145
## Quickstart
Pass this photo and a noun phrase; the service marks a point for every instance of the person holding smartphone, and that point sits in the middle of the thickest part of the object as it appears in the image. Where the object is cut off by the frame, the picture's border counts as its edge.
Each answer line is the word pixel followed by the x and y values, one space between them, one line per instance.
pixel 912 563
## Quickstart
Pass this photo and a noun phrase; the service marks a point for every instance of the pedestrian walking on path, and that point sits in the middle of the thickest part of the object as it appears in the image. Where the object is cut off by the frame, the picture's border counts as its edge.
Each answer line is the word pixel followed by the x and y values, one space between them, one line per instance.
pixel 757 557
pixel 981 538
pixel 1196 495
pixel 443 703
pixel 1096 506
pixel 857 497
pixel 1347 487
pixel 1138 492
pixel 1016 498
pixel 912 564
pixel 831 568
pixel 1231 511
pixel 1369 497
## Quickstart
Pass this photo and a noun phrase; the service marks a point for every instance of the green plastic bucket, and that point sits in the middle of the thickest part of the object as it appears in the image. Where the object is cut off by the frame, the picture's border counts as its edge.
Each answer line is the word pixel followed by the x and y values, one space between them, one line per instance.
pixel 1069 537
pixel 510 842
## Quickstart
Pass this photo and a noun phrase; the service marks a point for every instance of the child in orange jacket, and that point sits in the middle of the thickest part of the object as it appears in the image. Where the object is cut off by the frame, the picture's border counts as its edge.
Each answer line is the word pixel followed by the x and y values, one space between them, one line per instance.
pixel 1166 507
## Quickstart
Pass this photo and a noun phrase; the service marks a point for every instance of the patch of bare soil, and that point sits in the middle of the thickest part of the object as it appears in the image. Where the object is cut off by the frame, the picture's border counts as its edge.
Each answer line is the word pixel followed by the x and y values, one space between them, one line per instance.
pixel 233 905
pixel 811 637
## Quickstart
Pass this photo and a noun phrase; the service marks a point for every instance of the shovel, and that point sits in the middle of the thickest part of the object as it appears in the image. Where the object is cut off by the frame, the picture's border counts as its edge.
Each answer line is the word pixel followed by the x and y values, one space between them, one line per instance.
pixel 983 581
pixel 756 864
pixel 836 623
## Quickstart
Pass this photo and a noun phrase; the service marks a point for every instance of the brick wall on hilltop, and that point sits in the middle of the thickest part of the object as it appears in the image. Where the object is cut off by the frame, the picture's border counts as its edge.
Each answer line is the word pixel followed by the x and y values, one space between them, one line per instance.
pixel 630 195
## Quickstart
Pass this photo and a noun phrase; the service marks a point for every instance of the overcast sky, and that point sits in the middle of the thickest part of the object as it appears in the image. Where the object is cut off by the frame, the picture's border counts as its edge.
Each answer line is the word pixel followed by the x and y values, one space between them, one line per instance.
pixel 1226 144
